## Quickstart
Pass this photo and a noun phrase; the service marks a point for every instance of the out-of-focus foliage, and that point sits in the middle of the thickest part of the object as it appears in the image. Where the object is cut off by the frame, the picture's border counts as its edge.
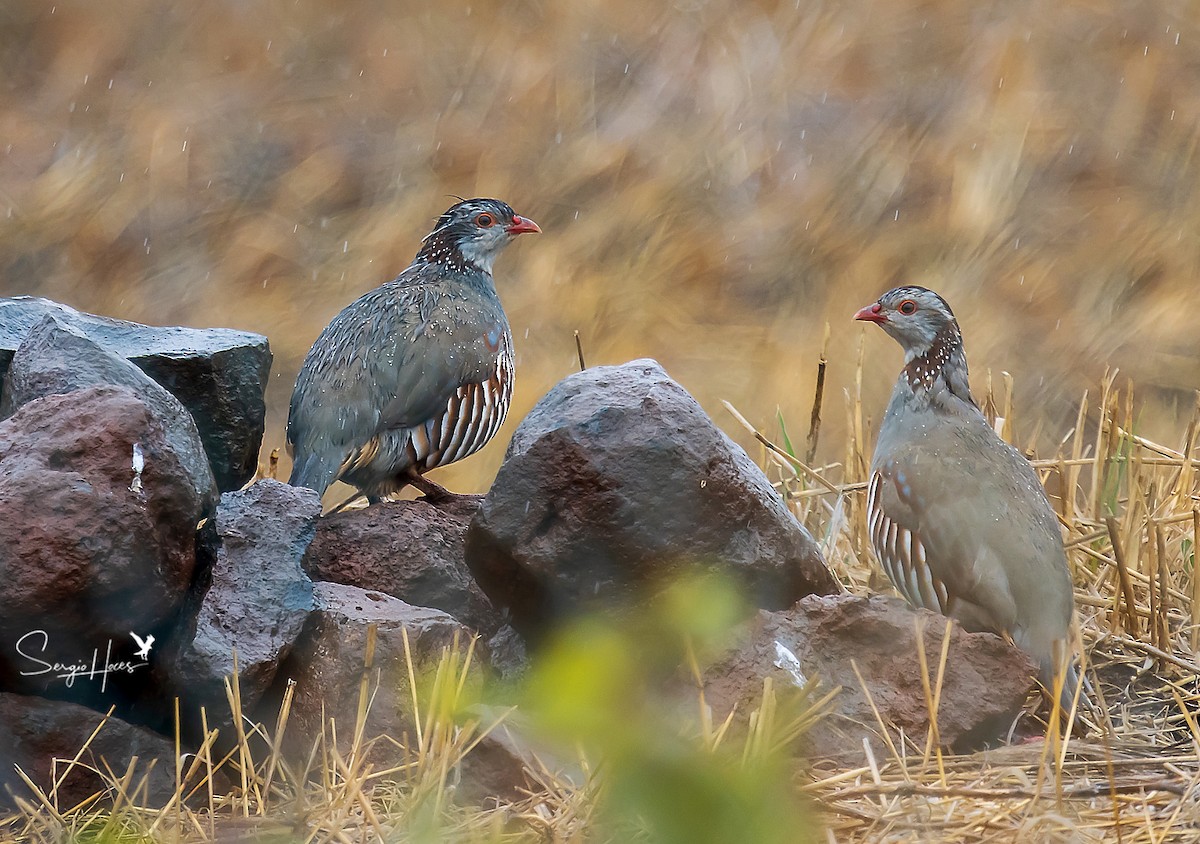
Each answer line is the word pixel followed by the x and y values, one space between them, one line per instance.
pixel 661 776
pixel 716 180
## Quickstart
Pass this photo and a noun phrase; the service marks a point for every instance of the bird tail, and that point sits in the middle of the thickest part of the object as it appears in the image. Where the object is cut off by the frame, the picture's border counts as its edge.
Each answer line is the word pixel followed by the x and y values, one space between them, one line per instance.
pixel 315 471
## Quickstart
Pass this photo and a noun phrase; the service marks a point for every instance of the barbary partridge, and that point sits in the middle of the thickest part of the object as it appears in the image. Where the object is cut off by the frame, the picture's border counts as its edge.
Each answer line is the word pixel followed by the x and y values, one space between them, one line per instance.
pixel 416 373
pixel 957 516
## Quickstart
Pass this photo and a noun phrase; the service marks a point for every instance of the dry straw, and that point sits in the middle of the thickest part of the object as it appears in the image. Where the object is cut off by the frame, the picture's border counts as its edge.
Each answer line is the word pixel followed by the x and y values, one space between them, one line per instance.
pixel 1130 508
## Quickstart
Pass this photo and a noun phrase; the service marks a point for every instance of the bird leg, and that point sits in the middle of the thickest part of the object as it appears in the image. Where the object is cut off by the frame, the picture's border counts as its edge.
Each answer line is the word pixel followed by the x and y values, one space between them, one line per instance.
pixel 339 508
pixel 432 492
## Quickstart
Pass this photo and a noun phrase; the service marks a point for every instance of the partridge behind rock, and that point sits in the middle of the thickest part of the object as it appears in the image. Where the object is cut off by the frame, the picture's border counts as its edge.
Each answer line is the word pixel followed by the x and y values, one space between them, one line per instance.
pixel 957 517
pixel 416 373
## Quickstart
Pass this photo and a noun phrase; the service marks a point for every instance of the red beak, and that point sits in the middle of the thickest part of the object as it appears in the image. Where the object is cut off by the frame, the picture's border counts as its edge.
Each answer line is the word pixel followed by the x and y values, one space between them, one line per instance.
pixel 872 313
pixel 521 225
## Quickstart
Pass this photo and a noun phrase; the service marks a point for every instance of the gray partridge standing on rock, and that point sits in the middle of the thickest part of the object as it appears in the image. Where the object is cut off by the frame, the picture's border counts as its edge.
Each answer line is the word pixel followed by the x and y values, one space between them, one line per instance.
pixel 957 516
pixel 416 373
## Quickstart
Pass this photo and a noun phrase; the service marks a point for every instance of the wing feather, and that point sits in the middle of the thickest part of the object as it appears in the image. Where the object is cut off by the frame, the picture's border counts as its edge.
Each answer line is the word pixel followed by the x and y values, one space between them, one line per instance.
pixel 927 550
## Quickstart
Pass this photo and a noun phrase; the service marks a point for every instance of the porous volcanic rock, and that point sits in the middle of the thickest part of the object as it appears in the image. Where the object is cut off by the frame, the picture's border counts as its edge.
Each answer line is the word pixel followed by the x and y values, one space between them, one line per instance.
pixel 411 550
pixel 34 732
pixel 55 358
pixel 219 375
pixel 328 661
pixel 89 551
pixel 986 679
pixel 618 480
pixel 258 597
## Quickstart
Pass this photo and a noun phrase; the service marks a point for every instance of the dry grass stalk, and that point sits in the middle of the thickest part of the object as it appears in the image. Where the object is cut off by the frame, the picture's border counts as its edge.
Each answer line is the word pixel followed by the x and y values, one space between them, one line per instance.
pixel 579 351
pixel 814 418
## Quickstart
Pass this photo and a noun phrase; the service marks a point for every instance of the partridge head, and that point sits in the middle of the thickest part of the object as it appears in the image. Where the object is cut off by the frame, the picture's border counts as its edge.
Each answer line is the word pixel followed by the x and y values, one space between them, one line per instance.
pixel 472 233
pixel 923 324
pixel 957 517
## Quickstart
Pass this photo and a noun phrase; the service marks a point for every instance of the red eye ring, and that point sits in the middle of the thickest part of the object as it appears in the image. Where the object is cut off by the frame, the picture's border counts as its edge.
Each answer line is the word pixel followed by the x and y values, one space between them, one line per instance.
pixel 908 307
pixel 485 221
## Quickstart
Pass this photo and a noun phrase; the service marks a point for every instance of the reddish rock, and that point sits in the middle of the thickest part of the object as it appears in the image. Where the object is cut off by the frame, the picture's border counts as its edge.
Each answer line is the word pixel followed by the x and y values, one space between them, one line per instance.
pixel 34 732
pixel 86 554
pixel 411 550
pixel 218 374
pixel 618 480
pixel 985 683
pixel 327 667
pixel 328 661
pixel 56 358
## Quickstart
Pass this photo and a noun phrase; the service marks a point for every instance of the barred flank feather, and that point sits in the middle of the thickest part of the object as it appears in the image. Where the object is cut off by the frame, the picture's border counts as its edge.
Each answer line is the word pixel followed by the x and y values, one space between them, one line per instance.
pixel 903 556
pixel 473 416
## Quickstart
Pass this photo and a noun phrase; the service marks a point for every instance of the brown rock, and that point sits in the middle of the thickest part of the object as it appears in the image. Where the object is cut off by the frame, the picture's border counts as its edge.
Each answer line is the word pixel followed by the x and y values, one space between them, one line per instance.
pixel 57 358
pixel 411 550
pixel 34 732
pixel 495 770
pixel 985 683
pixel 218 374
pixel 86 555
pixel 618 480
pixel 327 667
pixel 327 662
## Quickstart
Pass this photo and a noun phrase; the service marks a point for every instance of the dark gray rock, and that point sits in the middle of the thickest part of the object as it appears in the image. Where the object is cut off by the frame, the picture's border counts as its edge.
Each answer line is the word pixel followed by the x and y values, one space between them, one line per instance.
pixel 218 374
pixel 328 664
pixel 509 656
pixel 34 732
pixel 55 358
pixel 985 683
pixel 412 550
pixel 89 552
pixel 258 597
pixel 618 480
pixel 495 771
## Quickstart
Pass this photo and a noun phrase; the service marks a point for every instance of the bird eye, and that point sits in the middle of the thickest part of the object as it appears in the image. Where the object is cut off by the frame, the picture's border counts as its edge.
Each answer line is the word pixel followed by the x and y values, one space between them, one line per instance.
pixel 908 307
pixel 485 221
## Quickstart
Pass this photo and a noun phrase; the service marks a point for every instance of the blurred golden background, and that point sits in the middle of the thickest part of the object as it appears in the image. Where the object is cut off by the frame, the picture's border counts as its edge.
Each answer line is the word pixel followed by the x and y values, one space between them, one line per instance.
pixel 716 181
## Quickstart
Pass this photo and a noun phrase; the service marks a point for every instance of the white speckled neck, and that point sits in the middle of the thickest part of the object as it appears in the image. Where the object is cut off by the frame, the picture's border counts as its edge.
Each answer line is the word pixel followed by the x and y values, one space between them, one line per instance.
pixel 943 362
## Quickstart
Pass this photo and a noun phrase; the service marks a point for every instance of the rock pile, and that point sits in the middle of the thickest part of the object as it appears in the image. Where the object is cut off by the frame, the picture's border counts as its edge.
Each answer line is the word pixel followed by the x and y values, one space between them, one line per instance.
pixel 219 375
pixel 136 573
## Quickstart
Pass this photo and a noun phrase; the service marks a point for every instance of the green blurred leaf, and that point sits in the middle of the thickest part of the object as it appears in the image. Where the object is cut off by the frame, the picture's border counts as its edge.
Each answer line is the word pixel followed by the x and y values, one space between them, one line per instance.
pixel 783 434
pixel 703 608
pixel 612 690
pixel 582 686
